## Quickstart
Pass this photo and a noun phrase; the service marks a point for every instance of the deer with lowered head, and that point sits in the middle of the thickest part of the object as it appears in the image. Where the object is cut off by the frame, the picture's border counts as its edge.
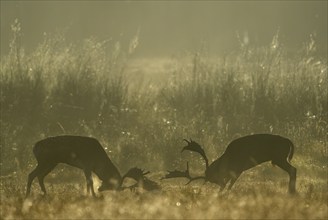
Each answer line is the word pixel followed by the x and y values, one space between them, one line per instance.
pixel 242 154
pixel 85 153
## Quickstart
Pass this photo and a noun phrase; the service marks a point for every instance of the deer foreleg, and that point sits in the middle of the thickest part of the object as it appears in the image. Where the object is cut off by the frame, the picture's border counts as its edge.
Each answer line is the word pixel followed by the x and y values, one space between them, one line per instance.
pixel 292 179
pixel 292 174
pixel 89 180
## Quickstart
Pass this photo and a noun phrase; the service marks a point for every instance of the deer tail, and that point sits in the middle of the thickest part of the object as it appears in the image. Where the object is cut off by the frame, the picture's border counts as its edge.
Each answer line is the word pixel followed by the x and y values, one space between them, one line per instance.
pixel 291 151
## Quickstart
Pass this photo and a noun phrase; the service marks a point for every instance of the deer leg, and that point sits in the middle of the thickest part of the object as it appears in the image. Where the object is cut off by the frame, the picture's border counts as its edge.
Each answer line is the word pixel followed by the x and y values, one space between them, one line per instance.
pixel 222 188
pixel 233 180
pixel 292 174
pixel 44 173
pixel 31 177
pixel 88 177
pixel 223 184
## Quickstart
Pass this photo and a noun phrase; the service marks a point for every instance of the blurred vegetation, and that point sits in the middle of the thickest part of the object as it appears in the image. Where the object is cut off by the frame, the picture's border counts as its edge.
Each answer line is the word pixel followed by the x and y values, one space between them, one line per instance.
pixel 85 88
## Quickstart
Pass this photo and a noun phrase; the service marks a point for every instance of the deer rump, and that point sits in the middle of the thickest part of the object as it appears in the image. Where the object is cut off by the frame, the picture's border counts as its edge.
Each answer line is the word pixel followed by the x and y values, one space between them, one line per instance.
pixel 243 154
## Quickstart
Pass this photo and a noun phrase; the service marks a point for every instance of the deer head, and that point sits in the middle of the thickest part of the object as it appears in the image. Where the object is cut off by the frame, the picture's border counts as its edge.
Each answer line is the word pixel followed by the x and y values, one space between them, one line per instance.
pixel 111 184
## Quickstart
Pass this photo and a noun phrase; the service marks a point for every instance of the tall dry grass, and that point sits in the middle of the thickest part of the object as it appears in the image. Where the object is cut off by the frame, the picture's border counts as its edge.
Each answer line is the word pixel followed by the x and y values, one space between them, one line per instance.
pixel 86 88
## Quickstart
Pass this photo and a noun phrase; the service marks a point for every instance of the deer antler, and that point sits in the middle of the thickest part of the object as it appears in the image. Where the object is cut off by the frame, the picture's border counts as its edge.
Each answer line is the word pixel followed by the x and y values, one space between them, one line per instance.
pixel 187 140
pixel 186 174
pixel 177 173
pixel 142 181
pixel 135 173
pixel 193 146
pixel 196 178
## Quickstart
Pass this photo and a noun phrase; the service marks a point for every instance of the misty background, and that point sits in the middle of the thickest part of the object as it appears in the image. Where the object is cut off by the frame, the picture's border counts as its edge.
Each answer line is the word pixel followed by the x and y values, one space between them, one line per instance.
pixel 168 27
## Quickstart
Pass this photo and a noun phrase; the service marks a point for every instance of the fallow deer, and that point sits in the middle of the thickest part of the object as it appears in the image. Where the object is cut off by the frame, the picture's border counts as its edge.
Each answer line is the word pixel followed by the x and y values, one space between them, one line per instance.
pixel 85 153
pixel 243 154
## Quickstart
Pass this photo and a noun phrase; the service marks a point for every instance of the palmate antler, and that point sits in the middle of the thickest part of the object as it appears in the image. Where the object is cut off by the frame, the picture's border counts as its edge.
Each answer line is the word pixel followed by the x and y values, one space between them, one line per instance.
pixel 186 174
pixel 193 146
pixel 142 181
pixel 135 173
pixel 177 173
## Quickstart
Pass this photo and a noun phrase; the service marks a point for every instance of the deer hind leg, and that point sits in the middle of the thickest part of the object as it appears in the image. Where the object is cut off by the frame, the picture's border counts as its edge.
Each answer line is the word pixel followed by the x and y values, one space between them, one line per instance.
pixel 88 177
pixel 43 173
pixel 233 180
pixel 292 174
pixel 31 177
pixel 40 171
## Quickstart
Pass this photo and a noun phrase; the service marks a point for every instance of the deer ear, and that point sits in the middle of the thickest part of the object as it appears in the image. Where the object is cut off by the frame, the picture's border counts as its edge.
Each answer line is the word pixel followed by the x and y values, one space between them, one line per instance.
pixel 186 141
pixel 190 140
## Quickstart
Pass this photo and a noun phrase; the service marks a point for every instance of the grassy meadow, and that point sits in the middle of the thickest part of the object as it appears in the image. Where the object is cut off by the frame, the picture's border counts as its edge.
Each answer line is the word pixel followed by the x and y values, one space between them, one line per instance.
pixel 141 109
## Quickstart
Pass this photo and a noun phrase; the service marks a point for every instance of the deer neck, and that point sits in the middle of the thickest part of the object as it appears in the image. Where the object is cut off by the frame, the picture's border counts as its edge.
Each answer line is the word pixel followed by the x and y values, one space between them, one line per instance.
pixel 107 171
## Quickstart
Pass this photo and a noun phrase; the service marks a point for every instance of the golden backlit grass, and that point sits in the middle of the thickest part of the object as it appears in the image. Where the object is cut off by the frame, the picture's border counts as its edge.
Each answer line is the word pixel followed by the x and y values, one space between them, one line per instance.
pixel 249 199
pixel 260 193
